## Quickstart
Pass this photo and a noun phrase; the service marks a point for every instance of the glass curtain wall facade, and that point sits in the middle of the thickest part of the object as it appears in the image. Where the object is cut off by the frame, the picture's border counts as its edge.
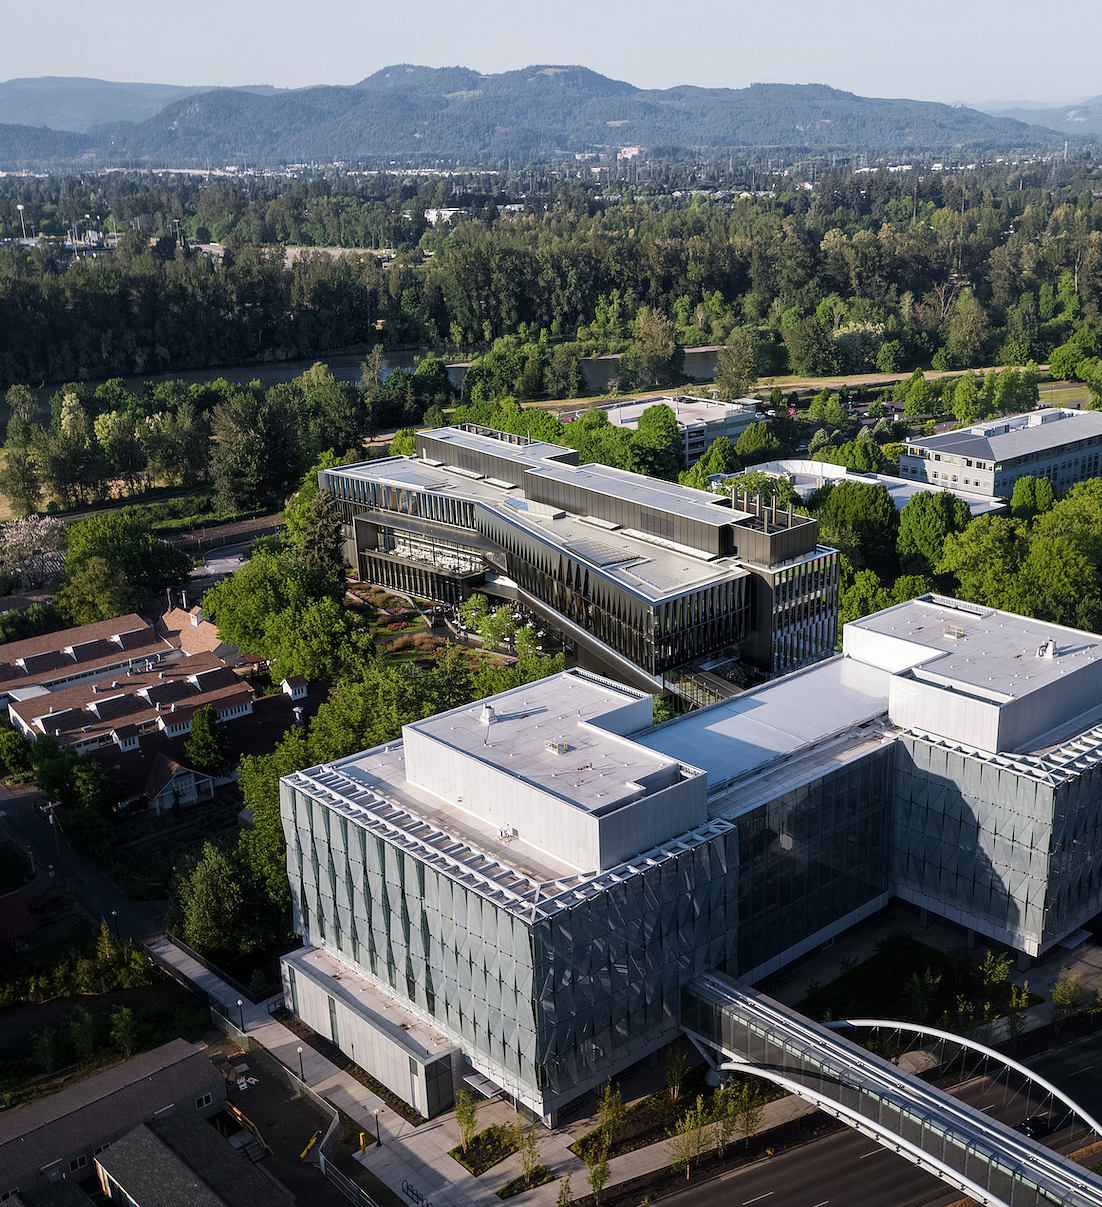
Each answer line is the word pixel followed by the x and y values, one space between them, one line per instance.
pixel 812 857
pixel 547 1005
pixel 1075 869
pixel 972 841
pixel 655 636
pixel 763 586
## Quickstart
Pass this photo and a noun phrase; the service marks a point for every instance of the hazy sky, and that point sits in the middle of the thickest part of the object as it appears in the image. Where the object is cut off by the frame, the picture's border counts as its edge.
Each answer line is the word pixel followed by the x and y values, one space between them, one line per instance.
pixel 945 50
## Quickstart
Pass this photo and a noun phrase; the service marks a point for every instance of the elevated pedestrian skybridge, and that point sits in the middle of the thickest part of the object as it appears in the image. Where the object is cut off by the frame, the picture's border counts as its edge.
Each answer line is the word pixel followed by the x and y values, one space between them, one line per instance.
pixel 969 1150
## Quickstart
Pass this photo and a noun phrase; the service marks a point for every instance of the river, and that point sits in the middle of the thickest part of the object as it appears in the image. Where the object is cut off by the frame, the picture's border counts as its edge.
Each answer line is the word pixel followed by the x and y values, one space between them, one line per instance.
pixel 597 373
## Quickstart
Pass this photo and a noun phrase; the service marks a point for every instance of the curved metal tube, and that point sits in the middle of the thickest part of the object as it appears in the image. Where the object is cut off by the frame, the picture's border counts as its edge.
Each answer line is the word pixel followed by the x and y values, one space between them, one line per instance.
pixel 918 1029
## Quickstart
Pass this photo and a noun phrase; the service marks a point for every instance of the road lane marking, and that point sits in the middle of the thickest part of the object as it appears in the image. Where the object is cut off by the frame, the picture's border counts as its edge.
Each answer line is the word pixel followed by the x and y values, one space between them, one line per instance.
pixel 1075 1074
pixel 872 1153
pixel 823 1203
pixel 747 1202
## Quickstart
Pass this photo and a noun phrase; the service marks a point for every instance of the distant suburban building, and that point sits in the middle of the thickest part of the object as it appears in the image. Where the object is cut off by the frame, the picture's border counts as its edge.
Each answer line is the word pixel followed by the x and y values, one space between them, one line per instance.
pixel 643 576
pixel 181 1161
pixel 698 420
pixel 119 711
pixel 89 651
pixel 62 1135
pixel 807 476
pixel 1060 444
pixel 517 892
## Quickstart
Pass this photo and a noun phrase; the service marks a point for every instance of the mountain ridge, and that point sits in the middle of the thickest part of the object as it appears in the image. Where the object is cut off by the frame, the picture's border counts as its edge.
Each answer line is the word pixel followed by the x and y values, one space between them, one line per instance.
pixel 409 110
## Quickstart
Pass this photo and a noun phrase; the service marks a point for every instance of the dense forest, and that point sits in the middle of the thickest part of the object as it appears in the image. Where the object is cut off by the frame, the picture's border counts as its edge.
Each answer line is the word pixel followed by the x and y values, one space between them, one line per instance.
pixel 885 271
pixel 462 116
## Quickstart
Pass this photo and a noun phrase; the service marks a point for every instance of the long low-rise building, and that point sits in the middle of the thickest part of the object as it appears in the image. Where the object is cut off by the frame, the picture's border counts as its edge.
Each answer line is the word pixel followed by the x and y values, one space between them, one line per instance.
pixel 807 476
pixel 105 712
pixel 526 884
pixel 1060 444
pixel 699 420
pixel 645 577
pixel 89 651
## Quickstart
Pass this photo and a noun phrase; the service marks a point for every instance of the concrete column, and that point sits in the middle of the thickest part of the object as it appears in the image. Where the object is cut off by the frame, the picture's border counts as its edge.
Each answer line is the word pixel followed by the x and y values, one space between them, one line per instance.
pixel 972 940
pixel 1025 961
pixel 924 918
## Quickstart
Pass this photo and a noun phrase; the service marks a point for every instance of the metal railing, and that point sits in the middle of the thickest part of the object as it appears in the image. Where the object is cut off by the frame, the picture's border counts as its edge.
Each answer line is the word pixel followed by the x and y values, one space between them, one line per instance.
pixel 275 1067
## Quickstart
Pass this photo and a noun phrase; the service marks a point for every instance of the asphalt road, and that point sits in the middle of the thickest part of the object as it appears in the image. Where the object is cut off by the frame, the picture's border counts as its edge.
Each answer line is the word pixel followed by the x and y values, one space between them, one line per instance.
pixel 846 1168
pixel 28 826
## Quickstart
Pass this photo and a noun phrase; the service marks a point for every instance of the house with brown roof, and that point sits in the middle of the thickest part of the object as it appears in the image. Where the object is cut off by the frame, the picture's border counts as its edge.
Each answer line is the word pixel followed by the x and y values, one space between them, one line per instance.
pixel 61 1136
pixel 171 783
pixel 90 715
pixel 191 631
pixel 89 651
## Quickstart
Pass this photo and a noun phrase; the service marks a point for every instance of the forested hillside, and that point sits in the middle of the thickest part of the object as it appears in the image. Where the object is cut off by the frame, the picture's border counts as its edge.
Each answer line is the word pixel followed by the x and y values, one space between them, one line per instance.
pixel 73 103
pixel 538 111
pixel 880 272
pixel 1074 120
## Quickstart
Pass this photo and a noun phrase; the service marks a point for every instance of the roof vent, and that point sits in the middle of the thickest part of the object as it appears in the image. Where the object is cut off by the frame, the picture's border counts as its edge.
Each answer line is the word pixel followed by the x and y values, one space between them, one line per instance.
pixel 1047 649
pixel 487 717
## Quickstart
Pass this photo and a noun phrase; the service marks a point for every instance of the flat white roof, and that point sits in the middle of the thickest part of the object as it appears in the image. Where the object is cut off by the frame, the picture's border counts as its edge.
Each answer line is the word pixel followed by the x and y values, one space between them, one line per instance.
pixel 687 411
pixel 741 736
pixel 548 734
pixel 807 476
pixel 955 642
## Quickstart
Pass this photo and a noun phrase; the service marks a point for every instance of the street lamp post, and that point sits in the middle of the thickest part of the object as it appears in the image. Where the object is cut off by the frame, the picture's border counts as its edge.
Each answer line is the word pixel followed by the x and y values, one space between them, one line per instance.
pixel 115 920
pixel 22 221
pixel 241 1012
pixel 301 1074
pixel 378 1137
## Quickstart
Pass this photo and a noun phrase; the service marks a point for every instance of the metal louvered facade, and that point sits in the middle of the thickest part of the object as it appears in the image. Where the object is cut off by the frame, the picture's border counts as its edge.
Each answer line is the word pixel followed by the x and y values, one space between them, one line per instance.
pixel 548 998
pixel 645 571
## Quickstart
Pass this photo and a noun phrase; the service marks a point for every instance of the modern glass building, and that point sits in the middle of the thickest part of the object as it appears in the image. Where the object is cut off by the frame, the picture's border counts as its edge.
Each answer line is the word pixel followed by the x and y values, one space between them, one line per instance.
pixel 515 893
pixel 644 577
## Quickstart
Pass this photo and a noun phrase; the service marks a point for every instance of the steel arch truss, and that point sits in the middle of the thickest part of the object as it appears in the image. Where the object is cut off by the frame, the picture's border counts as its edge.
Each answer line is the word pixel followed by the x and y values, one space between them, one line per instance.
pixel 972 1045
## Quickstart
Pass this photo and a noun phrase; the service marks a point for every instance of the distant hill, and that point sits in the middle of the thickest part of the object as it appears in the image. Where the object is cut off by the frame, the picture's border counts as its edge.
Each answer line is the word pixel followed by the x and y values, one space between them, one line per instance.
pixel 23 148
pixel 455 112
pixel 1078 118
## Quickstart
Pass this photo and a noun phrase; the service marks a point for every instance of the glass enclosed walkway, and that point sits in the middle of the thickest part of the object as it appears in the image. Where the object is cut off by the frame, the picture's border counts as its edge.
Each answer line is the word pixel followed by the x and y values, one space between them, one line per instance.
pixel 964 1147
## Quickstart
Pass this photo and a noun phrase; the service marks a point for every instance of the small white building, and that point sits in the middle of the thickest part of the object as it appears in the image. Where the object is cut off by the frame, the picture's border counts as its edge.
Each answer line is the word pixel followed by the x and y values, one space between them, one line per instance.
pixel 698 420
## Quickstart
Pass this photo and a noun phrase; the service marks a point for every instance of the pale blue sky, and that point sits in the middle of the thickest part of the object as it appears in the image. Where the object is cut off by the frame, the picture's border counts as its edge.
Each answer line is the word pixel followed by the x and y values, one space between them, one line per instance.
pixel 945 50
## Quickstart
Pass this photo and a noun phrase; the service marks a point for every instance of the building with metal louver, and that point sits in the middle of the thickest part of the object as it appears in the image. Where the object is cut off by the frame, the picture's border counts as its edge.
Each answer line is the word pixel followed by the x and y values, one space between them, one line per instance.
pixel 642 576
pixel 519 890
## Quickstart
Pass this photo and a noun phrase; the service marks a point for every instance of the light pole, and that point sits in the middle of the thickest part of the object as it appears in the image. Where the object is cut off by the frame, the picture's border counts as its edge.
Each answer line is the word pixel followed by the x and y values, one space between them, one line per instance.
pixel 241 1012
pixel 378 1137
pixel 22 222
pixel 301 1074
pixel 115 920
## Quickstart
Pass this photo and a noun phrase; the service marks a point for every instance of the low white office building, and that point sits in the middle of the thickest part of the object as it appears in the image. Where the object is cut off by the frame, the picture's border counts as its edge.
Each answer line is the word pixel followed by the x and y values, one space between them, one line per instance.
pixel 1060 444
pixel 698 420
